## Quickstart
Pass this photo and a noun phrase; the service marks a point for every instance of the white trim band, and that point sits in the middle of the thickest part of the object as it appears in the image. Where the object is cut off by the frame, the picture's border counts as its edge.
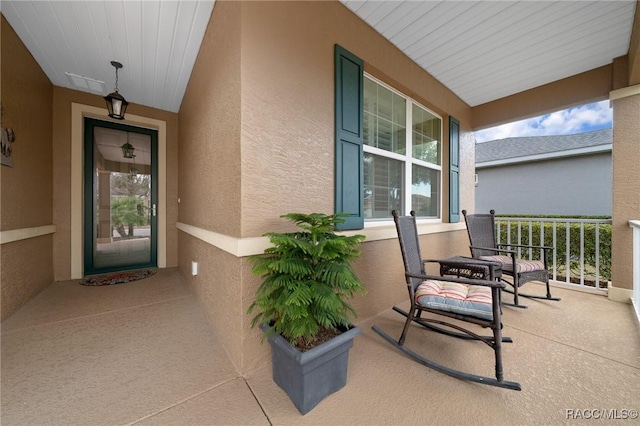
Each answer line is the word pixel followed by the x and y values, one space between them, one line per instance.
pixel 625 92
pixel 236 246
pixel 25 233
pixel 241 247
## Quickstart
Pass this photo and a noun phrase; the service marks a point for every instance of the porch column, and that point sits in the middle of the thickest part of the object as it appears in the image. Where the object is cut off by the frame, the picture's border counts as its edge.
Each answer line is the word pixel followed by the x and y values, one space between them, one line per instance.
pixel 626 188
pixel 105 235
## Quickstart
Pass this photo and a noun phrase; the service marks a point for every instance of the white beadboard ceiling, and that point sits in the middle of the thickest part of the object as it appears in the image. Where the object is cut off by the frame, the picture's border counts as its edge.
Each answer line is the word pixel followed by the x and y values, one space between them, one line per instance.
pixel 486 50
pixel 156 41
pixel 481 50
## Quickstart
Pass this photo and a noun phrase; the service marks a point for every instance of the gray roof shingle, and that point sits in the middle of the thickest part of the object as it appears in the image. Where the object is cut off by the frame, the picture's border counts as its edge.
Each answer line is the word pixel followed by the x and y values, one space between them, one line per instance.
pixel 503 149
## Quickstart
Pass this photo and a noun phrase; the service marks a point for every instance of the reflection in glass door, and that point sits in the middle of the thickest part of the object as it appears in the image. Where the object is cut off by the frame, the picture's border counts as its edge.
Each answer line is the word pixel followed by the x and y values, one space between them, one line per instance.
pixel 120 197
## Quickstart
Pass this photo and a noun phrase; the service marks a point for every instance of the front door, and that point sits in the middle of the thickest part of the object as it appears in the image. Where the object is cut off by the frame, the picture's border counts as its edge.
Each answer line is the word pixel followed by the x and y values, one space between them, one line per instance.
pixel 120 197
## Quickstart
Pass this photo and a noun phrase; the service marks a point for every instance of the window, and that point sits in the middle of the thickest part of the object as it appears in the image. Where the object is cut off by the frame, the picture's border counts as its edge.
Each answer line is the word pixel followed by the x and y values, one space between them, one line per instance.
pixel 402 154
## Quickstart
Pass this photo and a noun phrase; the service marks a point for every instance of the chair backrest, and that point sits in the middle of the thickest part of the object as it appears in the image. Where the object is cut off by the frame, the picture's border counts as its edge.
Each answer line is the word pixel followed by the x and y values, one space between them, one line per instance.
pixel 409 246
pixel 481 230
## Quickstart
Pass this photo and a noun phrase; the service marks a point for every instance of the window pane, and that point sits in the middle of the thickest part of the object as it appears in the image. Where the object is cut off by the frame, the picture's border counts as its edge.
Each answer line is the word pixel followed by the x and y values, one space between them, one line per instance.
pixel 424 191
pixel 383 180
pixel 370 96
pixel 385 118
pixel 385 103
pixel 369 124
pixel 426 135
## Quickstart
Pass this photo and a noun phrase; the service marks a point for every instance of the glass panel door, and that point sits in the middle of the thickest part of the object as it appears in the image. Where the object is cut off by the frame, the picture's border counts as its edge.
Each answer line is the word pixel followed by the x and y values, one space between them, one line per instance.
pixel 120 197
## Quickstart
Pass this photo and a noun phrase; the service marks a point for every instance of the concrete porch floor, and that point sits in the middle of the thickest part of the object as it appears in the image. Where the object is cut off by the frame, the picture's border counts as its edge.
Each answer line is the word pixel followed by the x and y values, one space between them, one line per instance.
pixel 144 353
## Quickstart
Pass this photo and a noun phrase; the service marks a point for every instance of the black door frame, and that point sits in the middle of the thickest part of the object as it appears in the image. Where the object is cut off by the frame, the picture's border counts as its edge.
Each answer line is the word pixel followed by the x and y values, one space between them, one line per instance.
pixel 90 193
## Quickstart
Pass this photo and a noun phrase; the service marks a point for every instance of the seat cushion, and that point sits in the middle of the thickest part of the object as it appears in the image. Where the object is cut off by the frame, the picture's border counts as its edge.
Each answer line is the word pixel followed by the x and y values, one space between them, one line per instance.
pixel 456 298
pixel 521 265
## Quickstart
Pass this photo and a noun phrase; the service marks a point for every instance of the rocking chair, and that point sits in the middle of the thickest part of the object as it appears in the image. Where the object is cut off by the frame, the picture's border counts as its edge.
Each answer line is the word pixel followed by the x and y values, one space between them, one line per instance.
pixel 475 301
pixel 482 236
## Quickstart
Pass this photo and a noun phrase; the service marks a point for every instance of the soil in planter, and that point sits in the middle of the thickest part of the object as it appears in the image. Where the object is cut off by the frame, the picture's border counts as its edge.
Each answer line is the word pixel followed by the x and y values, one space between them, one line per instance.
pixel 323 335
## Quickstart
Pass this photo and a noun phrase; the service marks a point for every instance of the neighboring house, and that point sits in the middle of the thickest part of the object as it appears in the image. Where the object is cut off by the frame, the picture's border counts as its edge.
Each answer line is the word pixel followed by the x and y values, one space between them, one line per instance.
pixel 546 175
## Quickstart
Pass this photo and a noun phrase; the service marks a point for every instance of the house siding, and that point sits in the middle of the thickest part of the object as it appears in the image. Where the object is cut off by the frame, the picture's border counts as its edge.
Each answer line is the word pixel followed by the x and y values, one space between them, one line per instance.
pixel 568 186
pixel 210 175
pixel 626 188
pixel 27 192
pixel 260 106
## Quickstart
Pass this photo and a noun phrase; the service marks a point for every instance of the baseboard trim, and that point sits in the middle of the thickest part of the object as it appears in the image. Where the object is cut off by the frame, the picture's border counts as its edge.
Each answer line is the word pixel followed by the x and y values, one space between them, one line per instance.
pixel 623 295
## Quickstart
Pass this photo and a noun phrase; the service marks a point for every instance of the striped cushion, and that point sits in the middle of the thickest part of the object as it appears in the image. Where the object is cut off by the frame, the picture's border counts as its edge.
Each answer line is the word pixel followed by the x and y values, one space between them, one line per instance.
pixel 456 298
pixel 521 265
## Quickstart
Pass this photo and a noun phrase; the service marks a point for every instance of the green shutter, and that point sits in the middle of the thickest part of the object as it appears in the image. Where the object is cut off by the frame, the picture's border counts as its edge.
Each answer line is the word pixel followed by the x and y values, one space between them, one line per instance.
pixel 349 176
pixel 454 170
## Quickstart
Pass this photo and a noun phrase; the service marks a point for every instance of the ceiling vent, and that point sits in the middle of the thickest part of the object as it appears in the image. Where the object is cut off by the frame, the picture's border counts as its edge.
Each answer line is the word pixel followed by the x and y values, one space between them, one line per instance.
pixel 87 84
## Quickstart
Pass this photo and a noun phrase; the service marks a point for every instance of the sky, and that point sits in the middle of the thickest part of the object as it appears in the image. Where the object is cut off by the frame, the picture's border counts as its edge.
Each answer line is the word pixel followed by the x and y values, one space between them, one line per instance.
pixel 580 119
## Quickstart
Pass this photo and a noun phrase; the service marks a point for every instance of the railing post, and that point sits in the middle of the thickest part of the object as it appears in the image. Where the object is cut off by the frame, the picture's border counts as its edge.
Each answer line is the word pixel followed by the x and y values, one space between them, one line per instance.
pixel 555 252
pixel 635 224
pixel 597 248
pixel 567 272
pixel 581 253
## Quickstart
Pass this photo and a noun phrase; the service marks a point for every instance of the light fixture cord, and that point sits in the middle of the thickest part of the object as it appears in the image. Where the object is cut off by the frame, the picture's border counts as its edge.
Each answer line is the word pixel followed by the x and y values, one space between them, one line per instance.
pixel 117 80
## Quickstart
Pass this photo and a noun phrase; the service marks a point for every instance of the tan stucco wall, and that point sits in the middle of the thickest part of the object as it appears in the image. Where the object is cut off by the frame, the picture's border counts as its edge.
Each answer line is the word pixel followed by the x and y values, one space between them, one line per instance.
pixel 210 152
pixel 209 182
pixel 26 105
pixel 257 141
pixel 626 187
pixel 288 103
pixel 62 100
pixel 26 193
pixel 217 286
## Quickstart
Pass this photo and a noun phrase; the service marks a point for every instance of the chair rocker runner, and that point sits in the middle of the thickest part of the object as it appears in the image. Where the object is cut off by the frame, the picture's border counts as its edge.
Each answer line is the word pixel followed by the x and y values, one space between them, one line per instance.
pixel 475 301
pixel 482 237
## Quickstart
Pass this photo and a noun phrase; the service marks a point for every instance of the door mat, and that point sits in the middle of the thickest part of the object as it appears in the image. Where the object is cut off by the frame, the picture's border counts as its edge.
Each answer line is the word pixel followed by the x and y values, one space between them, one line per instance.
pixel 118 277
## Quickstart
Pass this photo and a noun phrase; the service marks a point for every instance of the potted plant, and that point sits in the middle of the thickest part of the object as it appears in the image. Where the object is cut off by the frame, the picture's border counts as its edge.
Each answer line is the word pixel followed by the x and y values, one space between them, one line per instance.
pixel 307 275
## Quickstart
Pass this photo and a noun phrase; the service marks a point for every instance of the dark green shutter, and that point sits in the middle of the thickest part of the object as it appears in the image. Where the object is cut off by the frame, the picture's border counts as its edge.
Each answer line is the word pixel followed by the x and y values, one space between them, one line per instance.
pixel 454 170
pixel 349 176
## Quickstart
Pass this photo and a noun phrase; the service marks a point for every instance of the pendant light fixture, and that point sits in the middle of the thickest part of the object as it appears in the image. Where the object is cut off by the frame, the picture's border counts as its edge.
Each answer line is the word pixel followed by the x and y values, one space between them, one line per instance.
pixel 116 103
pixel 127 149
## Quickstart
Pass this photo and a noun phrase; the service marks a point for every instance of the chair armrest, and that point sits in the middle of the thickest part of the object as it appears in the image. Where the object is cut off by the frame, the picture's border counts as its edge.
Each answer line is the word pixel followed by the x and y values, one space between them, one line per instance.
pixel 497 250
pixel 457 262
pixel 431 261
pixel 484 283
pixel 526 246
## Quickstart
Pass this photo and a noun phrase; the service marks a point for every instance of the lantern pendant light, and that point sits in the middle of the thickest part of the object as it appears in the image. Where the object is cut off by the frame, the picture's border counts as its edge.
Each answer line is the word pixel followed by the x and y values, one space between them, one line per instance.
pixel 127 149
pixel 116 103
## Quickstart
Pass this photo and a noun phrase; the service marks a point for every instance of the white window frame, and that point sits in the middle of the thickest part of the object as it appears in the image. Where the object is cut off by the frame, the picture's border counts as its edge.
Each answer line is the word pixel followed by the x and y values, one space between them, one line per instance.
pixel 408 159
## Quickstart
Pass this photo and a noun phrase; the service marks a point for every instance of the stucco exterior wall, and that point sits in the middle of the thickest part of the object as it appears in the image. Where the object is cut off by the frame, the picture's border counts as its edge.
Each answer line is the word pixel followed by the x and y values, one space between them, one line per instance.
pixel 288 103
pixel 626 187
pixel 210 175
pixel 257 141
pixel 26 195
pixel 568 186
pixel 210 152
pixel 62 124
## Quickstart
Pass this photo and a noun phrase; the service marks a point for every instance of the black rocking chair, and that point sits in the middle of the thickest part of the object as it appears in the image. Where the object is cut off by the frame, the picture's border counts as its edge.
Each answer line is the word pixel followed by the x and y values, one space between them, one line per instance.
pixel 475 301
pixel 482 236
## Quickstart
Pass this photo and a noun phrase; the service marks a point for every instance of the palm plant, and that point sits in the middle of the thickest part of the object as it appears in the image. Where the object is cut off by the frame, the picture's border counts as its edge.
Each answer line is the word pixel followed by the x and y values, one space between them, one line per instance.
pixel 307 275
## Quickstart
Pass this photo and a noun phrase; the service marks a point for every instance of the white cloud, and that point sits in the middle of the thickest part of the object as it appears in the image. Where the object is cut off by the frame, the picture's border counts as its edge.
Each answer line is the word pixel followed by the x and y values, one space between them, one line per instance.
pixel 573 120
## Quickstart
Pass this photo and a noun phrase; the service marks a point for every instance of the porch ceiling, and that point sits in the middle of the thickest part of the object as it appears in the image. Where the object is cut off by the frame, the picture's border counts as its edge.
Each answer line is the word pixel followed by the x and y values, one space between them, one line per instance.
pixel 481 50
pixel 486 50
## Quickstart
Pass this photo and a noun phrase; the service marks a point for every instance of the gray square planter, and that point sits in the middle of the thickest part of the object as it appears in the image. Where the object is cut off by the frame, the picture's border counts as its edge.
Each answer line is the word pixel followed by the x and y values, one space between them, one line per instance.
pixel 308 377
